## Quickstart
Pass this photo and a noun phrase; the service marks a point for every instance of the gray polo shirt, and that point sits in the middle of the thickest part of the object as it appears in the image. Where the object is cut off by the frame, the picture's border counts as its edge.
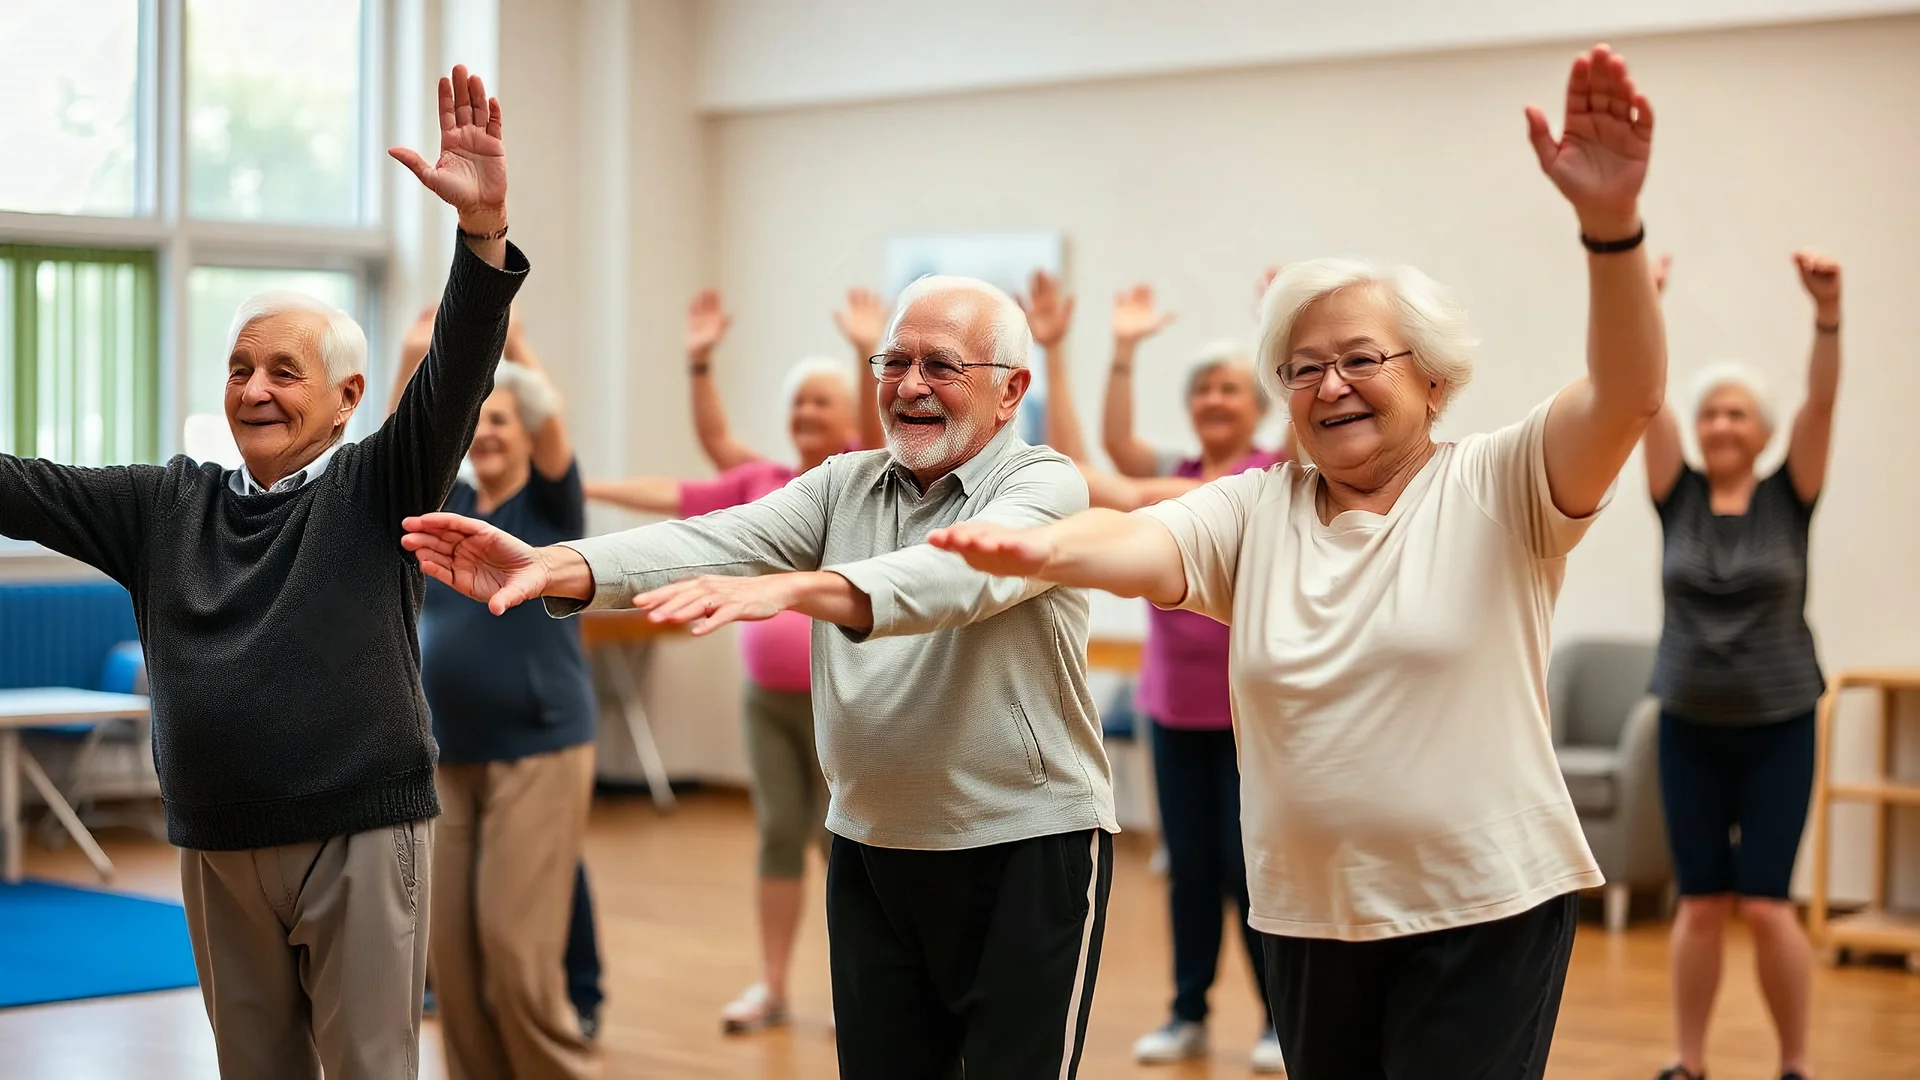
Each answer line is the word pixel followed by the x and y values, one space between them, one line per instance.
pixel 962 719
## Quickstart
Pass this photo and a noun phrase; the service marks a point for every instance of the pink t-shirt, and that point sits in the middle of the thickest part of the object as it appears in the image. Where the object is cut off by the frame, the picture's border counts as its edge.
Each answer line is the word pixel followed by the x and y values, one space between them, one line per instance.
pixel 1183 665
pixel 777 652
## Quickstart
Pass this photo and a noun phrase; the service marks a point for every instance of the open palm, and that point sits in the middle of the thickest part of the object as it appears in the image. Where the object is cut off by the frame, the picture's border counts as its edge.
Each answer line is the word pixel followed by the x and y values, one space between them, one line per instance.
pixel 1135 316
pixel 862 320
pixel 994 548
pixel 707 322
pixel 474 558
pixel 1599 163
pixel 1049 310
pixel 471 172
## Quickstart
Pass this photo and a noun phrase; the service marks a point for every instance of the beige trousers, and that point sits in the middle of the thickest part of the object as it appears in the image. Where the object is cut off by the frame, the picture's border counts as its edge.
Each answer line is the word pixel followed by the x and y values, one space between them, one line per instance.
pixel 509 836
pixel 312 957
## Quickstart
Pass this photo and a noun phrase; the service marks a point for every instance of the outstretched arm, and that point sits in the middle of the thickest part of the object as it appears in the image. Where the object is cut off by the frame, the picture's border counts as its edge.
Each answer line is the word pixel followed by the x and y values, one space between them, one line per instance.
pixel 647 494
pixel 1599 164
pixel 1660 447
pixel 862 320
pixel 1124 554
pixel 1807 451
pixel 1135 318
pixel 1115 492
pixel 552 446
pixel 707 322
pixel 411 462
pixel 1049 315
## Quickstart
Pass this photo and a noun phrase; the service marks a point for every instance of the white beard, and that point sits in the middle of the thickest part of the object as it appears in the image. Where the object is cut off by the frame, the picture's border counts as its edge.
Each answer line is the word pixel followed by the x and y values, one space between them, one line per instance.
pixel 923 453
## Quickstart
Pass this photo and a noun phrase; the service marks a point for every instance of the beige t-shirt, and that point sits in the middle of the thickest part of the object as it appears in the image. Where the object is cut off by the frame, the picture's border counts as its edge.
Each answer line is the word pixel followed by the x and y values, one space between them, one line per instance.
pixel 1389 690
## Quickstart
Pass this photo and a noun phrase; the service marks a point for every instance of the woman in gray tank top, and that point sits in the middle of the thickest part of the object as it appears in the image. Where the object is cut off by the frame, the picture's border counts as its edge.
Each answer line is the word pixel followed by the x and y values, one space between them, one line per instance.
pixel 1738 678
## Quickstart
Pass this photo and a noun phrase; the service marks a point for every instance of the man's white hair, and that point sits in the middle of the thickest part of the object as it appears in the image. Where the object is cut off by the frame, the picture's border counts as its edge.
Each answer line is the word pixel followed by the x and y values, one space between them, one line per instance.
pixel 533 394
pixel 1728 373
pixel 1012 338
pixel 1226 354
pixel 343 345
pixel 816 367
pixel 1431 320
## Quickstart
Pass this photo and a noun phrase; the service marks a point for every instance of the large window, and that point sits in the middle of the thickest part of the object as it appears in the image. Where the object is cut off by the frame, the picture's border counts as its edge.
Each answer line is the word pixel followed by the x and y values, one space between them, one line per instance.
pixel 160 161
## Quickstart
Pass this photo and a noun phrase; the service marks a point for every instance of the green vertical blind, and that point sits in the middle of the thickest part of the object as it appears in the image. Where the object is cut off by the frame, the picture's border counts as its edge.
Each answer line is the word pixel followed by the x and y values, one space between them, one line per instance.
pixel 79 354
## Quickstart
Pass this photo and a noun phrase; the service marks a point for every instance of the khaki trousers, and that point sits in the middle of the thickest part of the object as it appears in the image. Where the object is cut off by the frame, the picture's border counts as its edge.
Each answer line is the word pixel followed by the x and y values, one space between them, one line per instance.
pixel 509 837
pixel 312 957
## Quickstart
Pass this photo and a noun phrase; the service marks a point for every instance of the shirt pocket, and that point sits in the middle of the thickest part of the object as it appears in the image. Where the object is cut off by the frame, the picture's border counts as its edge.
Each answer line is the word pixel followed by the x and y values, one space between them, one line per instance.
pixel 1030 744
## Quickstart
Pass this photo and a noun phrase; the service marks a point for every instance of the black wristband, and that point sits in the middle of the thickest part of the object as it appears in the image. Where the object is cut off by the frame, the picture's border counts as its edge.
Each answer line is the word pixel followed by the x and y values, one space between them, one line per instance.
pixel 1614 247
pixel 1826 328
pixel 698 369
pixel 497 234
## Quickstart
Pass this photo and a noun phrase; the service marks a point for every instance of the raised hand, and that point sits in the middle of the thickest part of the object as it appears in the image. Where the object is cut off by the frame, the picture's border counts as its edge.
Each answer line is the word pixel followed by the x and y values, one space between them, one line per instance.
pixel 707 322
pixel 1820 276
pixel 1599 162
pixel 1135 316
pixel 1049 310
pixel 475 558
pixel 862 319
pixel 994 548
pixel 707 603
pixel 471 172
pixel 1661 266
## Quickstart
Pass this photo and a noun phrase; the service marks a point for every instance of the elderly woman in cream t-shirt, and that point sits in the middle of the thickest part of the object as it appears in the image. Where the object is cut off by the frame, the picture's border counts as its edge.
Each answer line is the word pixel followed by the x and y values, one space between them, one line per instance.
pixel 1411 849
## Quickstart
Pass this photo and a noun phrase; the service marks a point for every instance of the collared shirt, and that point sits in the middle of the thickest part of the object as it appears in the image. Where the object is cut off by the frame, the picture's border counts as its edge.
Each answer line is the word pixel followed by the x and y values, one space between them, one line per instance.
pixel 962 718
pixel 241 482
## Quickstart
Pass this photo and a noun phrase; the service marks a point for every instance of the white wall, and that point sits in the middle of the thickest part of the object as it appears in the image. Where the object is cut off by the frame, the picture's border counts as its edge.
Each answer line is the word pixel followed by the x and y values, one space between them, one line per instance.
pixel 759 54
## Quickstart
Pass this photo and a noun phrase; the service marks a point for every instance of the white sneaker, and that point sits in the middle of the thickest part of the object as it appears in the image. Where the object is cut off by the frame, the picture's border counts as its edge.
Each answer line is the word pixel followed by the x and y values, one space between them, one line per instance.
pixel 1180 1040
pixel 755 1010
pixel 1266 1056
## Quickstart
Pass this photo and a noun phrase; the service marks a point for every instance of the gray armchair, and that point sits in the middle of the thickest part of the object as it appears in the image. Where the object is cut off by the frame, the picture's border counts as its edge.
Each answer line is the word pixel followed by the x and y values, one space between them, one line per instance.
pixel 1606 733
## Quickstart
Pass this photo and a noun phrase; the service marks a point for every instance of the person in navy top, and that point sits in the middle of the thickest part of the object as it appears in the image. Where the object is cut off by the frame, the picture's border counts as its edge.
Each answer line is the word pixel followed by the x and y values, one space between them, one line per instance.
pixel 514 714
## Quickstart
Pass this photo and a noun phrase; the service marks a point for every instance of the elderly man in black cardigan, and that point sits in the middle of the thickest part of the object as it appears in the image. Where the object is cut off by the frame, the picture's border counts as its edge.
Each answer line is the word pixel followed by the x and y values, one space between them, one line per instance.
pixel 278 615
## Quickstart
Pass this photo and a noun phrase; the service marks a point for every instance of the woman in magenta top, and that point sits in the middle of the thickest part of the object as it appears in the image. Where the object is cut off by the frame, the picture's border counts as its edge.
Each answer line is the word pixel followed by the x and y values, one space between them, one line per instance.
pixel 1183 692
pixel 789 794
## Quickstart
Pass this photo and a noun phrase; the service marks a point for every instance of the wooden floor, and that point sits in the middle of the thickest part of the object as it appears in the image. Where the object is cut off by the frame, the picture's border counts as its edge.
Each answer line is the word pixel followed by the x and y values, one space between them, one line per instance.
pixel 674 902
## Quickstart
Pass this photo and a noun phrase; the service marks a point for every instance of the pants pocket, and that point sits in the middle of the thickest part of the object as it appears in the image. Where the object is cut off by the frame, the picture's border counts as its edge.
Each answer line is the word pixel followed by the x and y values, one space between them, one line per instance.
pixel 1036 765
pixel 408 856
pixel 1072 854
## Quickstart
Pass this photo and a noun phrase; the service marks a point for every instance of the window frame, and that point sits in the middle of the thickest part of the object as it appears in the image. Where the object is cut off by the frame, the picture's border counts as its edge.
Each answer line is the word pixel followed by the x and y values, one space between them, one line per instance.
pixel 180 242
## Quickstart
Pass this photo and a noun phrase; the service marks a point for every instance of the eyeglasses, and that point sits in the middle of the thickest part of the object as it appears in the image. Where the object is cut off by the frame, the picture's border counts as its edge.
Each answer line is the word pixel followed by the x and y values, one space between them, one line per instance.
pixel 1353 367
pixel 934 369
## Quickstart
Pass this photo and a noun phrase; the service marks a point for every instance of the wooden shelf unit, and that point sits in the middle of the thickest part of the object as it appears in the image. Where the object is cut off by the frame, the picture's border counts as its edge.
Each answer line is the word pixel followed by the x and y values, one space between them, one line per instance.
pixel 1875 929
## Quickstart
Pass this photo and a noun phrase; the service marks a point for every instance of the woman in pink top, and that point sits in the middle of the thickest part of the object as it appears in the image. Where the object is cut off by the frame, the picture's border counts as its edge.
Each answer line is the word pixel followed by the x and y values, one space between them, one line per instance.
pixel 789 794
pixel 1183 692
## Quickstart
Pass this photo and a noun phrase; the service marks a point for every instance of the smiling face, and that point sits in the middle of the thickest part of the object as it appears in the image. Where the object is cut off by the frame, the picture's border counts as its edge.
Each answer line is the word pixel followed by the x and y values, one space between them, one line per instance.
pixel 821 421
pixel 1356 431
pixel 1731 431
pixel 281 406
pixel 933 427
pixel 1224 404
pixel 502 446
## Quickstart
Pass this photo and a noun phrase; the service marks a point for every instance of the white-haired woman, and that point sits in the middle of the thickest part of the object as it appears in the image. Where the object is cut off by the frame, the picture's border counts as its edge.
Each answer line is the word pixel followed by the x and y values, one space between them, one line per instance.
pixel 1412 852
pixel 789 792
pixel 1738 678
pixel 514 713
pixel 1183 689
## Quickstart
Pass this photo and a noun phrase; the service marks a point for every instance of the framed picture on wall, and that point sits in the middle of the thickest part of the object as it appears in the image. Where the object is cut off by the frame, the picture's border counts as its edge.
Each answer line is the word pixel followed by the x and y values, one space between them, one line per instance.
pixel 1007 260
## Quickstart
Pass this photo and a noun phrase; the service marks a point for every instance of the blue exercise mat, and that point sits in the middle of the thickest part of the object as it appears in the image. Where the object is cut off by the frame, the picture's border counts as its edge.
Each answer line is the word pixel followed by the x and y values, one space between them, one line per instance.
pixel 59 943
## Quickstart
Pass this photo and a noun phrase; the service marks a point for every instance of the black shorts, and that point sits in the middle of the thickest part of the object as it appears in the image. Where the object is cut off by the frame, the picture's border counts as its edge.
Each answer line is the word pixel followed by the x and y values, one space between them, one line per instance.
pixel 1470 1003
pixel 1736 803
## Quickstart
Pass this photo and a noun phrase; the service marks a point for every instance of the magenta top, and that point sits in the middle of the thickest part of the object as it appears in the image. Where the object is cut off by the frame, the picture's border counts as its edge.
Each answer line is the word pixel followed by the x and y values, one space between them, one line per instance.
pixel 1183 665
pixel 777 652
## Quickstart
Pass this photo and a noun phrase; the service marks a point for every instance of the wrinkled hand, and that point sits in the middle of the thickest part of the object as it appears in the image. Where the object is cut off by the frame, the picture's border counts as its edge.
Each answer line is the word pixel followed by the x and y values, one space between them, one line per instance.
pixel 862 319
pixel 474 558
pixel 1820 276
pixel 471 173
pixel 1135 316
pixel 995 549
pixel 1661 266
pixel 1600 161
pixel 705 604
pixel 707 323
pixel 1049 310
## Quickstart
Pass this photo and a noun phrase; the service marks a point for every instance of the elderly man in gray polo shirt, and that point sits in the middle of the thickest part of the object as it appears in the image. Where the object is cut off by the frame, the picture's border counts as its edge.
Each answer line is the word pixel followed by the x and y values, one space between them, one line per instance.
pixel 972 807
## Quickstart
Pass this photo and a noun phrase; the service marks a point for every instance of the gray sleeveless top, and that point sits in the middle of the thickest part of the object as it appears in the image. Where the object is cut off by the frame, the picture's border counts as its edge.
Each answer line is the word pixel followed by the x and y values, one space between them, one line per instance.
pixel 1735 648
